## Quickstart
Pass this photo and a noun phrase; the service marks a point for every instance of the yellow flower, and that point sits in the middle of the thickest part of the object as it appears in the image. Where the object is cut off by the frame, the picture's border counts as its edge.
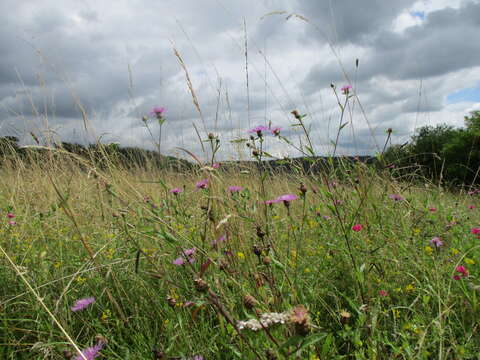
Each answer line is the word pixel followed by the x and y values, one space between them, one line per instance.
pixel 455 251
pixel 106 315
pixel 416 231
pixel 80 280
pixel 469 261
pixel 57 264
pixel 307 270
pixel 410 288
pixel 428 250
pixel 240 255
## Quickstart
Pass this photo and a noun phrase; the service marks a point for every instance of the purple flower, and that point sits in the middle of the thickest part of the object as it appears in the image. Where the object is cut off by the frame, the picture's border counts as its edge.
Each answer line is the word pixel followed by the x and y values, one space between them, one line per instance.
pixel 270 202
pixel 396 197
pixel 258 130
pixel 91 352
pixel 189 252
pixel 216 166
pixel 12 223
pixel 197 357
pixel 276 130
pixel 202 184
pixel 157 111
pixel 178 261
pixel 326 217
pixel 176 191
pixel 222 238
pixel 346 89
pixel 10 215
pixel 436 241
pixel 82 304
pixel 287 198
pixel 234 188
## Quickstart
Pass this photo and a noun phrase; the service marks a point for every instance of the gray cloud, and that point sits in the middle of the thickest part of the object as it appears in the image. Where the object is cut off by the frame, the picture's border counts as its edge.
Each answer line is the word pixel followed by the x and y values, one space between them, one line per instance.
pixel 58 55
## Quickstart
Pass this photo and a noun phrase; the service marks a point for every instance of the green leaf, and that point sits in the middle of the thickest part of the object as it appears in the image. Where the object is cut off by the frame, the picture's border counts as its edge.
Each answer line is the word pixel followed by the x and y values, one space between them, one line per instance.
pixel 326 346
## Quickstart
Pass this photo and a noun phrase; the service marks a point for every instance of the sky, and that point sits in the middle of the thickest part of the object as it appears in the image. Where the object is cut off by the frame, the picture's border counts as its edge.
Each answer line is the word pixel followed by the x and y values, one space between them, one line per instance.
pixel 83 71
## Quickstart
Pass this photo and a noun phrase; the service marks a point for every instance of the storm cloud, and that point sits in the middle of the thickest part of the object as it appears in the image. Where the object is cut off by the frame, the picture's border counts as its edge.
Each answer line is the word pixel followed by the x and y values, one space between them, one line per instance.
pixel 114 61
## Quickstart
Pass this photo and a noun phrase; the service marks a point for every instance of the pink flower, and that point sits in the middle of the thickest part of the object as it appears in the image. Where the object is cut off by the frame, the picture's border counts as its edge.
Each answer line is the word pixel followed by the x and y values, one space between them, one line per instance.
pixel 189 252
pixel 382 293
pixel 202 184
pixel 178 261
pixel 357 227
pixel 216 166
pixel 176 191
pixel 157 111
pixel 222 238
pixel 82 304
pixel 326 217
pixel 287 198
pixel 270 202
pixel 462 270
pixel 475 230
pixel 432 209
pixel 436 241
pixel 276 130
pixel 396 197
pixel 12 223
pixel 258 130
pixel 233 189
pixel 346 89
pixel 10 215
pixel 471 207
pixel 91 352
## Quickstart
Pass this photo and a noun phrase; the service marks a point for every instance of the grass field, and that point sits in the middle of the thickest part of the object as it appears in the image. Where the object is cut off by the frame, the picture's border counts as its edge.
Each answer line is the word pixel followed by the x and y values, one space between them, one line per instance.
pixel 199 266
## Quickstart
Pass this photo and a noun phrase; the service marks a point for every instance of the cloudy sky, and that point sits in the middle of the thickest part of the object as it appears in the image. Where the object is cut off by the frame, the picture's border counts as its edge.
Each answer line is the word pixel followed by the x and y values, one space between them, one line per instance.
pixel 419 64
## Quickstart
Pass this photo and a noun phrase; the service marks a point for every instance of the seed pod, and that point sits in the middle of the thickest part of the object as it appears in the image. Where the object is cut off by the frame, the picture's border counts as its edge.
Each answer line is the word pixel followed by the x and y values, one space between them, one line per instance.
pixel 201 285
pixel 266 260
pixel 171 301
pixel 303 188
pixel 249 301
pixel 256 250
pixel 260 232
pixel 67 354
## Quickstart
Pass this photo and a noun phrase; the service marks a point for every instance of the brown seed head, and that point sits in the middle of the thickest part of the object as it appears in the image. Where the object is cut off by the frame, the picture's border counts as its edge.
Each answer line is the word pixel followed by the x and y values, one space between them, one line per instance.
pixel 249 301
pixel 201 285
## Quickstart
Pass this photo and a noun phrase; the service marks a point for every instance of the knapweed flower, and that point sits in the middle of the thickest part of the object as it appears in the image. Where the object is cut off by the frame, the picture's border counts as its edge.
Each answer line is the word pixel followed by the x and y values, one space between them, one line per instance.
pixel 259 130
pixel 436 241
pixel 271 202
pixel 221 239
pixel 357 227
pixel 186 255
pixel 396 197
pixel 176 191
pixel 475 230
pixel 234 189
pixel 178 261
pixel 202 184
pixel 287 198
pixel 157 111
pixel 462 272
pixel 471 207
pixel 91 352
pixel 346 89
pixel 10 215
pixel 82 304
pixel 275 130
pixel 383 293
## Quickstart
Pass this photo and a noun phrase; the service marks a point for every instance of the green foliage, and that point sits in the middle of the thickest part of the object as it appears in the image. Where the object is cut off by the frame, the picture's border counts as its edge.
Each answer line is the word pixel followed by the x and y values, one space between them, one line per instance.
pixel 442 152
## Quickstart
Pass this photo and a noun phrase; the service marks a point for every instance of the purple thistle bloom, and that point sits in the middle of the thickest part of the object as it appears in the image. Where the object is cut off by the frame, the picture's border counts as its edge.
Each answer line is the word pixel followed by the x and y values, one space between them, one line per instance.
pixel 396 197
pixel 10 215
pixel 202 184
pixel 91 352
pixel 82 304
pixel 222 238
pixel 216 166
pixel 276 130
pixel 234 188
pixel 189 252
pixel 346 89
pixel 436 241
pixel 287 198
pixel 178 261
pixel 157 111
pixel 176 191
pixel 258 130
pixel 270 202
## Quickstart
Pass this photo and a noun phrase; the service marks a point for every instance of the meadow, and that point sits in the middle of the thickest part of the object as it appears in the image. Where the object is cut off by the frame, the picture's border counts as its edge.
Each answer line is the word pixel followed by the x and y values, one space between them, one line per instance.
pixel 235 262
